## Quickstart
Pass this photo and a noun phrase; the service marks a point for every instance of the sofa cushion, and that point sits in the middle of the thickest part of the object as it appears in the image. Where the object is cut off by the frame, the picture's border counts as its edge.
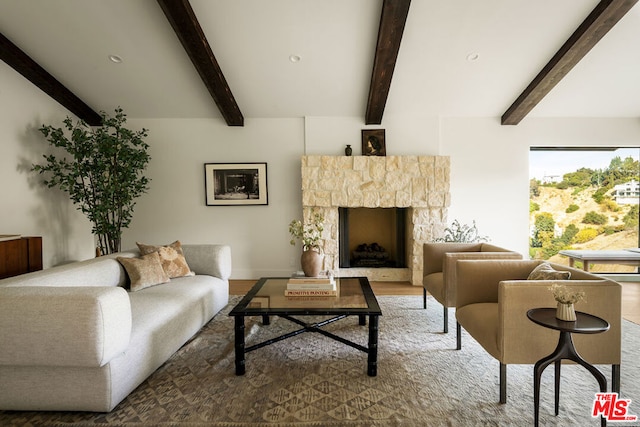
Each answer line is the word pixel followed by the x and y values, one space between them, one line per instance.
pixel 101 271
pixel 145 271
pixel 171 258
pixel 63 326
pixel 481 321
pixel 544 271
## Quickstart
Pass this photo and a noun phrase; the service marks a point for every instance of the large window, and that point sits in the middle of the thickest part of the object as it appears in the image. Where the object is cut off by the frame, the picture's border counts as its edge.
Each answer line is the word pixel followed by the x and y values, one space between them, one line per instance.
pixel 583 198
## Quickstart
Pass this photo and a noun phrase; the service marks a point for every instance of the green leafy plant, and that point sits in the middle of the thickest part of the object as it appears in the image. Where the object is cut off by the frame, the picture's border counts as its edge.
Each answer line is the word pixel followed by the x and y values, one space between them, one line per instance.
pixel 309 234
pixel 592 217
pixel 102 172
pixel 533 206
pixel 572 208
pixel 631 218
pixel 462 233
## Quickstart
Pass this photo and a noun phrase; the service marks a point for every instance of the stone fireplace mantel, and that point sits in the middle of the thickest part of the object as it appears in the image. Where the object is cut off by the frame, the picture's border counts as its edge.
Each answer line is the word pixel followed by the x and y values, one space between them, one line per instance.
pixel 420 183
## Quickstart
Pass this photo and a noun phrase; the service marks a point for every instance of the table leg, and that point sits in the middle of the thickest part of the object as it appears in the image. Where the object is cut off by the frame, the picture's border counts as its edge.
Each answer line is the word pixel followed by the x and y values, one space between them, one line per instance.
pixel 265 319
pixel 239 345
pixel 558 365
pixel 362 319
pixel 538 368
pixel 564 350
pixel 372 359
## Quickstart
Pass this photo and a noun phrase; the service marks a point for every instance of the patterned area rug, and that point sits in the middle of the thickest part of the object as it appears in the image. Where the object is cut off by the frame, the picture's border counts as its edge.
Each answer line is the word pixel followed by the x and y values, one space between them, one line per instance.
pixel 310 380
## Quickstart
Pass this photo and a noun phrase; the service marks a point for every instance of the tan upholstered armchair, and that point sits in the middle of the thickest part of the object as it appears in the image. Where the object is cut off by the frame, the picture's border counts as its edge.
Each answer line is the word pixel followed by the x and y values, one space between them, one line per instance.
pixel 439 269
pixel 494 297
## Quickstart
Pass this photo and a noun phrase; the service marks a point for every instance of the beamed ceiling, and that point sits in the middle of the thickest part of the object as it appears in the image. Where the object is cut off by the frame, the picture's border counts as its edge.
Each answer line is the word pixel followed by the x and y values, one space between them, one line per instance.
pixel 294 58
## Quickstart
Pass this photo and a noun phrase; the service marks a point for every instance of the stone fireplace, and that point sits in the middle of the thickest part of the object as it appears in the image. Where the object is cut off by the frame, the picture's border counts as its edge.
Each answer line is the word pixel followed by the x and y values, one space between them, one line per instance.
pixel 418 183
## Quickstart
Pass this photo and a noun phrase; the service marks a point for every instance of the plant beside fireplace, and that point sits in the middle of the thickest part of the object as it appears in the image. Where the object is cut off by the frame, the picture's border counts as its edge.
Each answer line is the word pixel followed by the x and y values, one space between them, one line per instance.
pixel 462 233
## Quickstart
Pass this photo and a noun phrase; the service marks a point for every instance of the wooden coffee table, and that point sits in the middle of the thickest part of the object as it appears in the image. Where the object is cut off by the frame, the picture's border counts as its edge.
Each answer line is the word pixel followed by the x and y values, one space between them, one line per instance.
pixel 266 298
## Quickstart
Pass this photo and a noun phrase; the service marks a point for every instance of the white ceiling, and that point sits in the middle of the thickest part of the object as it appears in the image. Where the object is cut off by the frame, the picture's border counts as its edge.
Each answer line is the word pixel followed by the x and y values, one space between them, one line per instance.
pixel 253 39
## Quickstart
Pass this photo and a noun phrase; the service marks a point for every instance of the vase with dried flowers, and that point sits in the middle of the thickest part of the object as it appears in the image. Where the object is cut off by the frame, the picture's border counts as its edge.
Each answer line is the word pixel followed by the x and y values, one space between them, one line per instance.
pixel 309 234
pixel 566 298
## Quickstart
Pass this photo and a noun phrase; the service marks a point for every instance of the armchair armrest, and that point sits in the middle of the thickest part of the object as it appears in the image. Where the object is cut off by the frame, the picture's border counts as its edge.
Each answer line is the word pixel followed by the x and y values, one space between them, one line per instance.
pixel 63 326
pixel 212 260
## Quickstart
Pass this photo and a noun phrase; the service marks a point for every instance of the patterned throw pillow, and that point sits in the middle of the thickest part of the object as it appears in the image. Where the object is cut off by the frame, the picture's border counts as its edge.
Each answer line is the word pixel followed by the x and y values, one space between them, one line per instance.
pixel 145 271
pixel 544 271
pixel 171 258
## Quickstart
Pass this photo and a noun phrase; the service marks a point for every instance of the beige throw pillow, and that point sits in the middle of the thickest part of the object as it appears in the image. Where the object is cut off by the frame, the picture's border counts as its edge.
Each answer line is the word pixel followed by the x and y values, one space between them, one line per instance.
pixel 145 271
pixel 171 258
pixel 544 271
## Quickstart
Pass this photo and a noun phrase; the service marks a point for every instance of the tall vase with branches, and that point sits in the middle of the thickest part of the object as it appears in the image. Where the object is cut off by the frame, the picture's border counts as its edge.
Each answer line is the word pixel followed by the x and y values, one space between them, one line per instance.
pixel 102 170
pixel 309 234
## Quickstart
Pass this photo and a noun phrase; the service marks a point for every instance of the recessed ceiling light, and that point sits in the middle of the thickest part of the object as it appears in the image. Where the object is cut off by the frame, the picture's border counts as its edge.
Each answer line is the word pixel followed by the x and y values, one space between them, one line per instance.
pixel 115 58
pixel 473 56
pixel 294 58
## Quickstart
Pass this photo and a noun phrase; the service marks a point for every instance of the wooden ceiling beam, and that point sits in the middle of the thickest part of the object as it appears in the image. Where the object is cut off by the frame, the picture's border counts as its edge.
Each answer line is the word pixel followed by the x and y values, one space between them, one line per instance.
pixel 32 71
pixel 187 28
pixel 605 15
pixel 392 22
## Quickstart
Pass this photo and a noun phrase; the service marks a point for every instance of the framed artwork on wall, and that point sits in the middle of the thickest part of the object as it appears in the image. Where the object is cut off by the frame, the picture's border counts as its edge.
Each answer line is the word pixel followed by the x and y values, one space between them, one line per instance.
pixel 373 143
pixel 233 184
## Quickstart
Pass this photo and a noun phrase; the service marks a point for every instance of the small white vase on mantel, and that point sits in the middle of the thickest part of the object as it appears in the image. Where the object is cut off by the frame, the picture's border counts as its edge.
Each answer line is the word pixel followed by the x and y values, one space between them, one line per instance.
pixel 566 312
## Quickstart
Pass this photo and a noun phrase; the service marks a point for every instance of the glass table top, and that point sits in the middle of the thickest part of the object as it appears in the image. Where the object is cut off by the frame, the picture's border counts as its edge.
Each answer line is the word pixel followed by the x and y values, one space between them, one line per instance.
pixel 268 296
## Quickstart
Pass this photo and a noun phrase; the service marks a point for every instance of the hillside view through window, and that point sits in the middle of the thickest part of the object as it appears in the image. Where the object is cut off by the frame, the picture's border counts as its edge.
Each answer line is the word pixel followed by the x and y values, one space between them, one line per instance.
pixel 583 199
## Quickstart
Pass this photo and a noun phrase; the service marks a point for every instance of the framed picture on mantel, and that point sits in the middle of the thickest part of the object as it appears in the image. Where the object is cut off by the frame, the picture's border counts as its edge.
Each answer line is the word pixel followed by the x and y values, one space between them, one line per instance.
pixel 373 143
pixel 233 184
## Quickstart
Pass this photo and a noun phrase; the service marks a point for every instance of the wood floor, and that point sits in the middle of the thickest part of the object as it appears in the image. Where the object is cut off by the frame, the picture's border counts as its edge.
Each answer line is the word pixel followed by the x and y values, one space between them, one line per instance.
pixel 630 293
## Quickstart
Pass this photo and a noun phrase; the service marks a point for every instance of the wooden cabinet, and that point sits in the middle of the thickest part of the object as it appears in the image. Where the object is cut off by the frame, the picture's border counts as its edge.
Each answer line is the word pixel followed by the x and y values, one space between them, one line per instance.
pixel 19 256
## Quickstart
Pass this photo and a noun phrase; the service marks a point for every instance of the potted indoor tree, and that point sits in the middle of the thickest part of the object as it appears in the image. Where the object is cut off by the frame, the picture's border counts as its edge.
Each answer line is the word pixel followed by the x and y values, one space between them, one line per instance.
pixel 309 234
pixel 101 170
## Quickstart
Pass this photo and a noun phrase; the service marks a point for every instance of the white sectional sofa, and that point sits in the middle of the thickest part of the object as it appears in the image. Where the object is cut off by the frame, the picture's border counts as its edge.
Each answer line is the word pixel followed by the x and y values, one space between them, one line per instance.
pixel 72 338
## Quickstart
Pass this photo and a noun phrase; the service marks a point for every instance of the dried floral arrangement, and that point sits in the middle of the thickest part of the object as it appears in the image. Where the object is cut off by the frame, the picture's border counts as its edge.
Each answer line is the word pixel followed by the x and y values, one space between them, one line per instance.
pixel 566 295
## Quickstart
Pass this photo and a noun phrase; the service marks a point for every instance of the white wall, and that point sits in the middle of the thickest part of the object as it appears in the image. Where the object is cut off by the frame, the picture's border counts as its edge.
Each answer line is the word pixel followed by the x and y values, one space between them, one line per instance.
pixel 175 209
pixel 489 175
pixel 490 168
pixel 403 135
pixel 28 208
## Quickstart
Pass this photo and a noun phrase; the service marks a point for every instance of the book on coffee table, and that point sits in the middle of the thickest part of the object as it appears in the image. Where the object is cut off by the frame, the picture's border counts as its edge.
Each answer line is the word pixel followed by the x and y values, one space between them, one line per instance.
pixel 310 293
pixel 300 285
pixel 302 282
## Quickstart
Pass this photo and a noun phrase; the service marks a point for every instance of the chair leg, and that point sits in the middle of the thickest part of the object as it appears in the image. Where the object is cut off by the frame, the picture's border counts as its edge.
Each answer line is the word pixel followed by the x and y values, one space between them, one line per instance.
pixel 424 298
pixel 446 319
pixel 503 383
pixel 615 378
pixel 458 336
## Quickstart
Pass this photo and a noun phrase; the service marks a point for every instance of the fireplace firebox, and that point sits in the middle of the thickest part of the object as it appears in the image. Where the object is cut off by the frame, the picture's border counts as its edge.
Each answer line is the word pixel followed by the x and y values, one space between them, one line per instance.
pixel 372 237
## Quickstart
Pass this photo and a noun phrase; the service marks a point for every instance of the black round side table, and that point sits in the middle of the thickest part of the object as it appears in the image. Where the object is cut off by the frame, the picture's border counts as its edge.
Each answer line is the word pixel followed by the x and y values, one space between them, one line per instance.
pixel 584 324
